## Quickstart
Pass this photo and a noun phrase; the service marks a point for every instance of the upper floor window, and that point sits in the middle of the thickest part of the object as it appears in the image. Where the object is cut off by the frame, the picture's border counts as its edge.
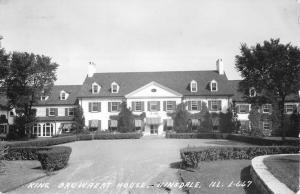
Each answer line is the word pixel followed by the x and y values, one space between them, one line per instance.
pixel 70 111
pixel 194 86
pixel 63 95
pixel 243 108
pixel 252 92
pixel 43 98
pixel 154 105
pixel 94 106
pixel 115 106
pixel 289 108
pixel 52 111
pixel 194 105
pixel 95 88
pixel 213 85
pixel 266 108
pixel 114 87
pixel 11 113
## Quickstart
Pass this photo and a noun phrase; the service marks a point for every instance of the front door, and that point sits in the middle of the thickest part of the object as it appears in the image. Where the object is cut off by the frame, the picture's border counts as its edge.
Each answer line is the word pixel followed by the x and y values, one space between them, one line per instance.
pixel 153 129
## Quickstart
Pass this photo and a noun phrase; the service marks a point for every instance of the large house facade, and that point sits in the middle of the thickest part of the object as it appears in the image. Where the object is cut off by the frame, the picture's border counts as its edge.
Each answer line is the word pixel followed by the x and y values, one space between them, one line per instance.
pixel 151 96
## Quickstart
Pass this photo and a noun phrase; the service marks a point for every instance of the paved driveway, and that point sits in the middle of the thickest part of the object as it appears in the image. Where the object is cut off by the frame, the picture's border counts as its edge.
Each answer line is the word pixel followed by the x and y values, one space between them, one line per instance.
pixel 105 164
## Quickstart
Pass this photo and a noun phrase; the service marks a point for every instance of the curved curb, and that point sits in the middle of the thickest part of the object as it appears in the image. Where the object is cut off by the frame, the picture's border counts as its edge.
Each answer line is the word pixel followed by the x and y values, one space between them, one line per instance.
pixel 264 180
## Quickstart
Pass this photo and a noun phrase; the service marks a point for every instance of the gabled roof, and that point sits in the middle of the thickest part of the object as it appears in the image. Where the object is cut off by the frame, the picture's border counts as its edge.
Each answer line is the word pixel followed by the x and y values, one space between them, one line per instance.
pixel 54 95
pixel 178 81
pixel 238 96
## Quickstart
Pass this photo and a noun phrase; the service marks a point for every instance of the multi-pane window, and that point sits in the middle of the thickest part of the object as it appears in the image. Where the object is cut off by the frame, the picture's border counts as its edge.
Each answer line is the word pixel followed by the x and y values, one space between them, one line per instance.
pixel 95 88
pixel 170 105
pixel 215 105
pixel 154 105
pixel 138 106
pixel 63 96
pixel 95 106
pixel 194 105
pixel 193 86
pixel 243 108
pixel 266 125
pixel 289 108
pixel 115 106
pixel 214 86
pixel 51 111
pixel 43 98
pixel 71 111
pixel 114 88
pixel 266 108
pixel 252 92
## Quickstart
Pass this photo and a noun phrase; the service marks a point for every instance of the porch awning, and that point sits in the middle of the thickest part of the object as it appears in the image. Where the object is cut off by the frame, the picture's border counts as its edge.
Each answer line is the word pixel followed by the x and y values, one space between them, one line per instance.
pixel 94 123
pixel 153 120
pixel 114 123
pixel 138 123
pixel 169 122
pixel 66 125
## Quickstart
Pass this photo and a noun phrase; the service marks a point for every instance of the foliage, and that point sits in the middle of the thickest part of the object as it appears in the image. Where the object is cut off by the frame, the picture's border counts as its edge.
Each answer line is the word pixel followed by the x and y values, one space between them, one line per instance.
pixel 294 124
pixel 181 117
pixel 24 153
pixel 3 153
pixel 27 77
pixel 3 119
pixel 194 135
pixel 117 135
pixel 81 137
pixel 43 142
pixel 261 66
pixel 206 124
pixel 255 118
pixel 125 119
pixel 262 141
pixel 55 158
pixel 229 122
pixel 79 119
pixel 192 157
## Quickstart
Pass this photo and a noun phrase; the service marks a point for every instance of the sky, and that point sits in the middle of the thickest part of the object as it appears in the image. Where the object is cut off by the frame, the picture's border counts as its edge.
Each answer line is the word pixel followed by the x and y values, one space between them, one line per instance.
pixel 144 35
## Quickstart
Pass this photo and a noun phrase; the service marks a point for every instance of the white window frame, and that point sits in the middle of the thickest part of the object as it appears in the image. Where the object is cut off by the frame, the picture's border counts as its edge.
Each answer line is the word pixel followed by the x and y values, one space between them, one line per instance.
pixel 115 105
pixel 214 102
pixel 211 86
pixel 44 98
pixel 264 107
pixel 254 92
pixel 71 110
pixel 266 125
pixel 94 104
pixel 46 127
pixel 97 88
pixel 153 103
pixel 51 110
pixel 194 86
pixel 292 108
pixel 169 106
pixel 63 95
pixel 138 104
pixel 245 105
pixel 114 84
pixel 194 105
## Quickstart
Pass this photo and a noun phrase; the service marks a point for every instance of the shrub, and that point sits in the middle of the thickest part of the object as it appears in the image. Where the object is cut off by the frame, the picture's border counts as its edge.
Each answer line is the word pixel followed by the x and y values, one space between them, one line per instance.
pixel 117 136
pixel 206 124
pixel 84 137
pixel 43 142
pixel 191 157
pixel 24 153
pixel 3 153
pixel 194 135
pixel 229 122
pixel 55 158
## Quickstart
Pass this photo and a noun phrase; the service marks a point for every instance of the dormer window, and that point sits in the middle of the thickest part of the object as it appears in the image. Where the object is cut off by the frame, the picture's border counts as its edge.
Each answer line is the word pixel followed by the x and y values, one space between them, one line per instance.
pixel 213 86
pixel 114 87
pixel 252 92
pixel 63 95
pixel 44 98
pixel 95 88
pixel 194 86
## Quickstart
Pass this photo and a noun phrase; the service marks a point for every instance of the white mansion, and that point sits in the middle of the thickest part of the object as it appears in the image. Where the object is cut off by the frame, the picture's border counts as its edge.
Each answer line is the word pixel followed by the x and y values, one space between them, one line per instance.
pixel 155 94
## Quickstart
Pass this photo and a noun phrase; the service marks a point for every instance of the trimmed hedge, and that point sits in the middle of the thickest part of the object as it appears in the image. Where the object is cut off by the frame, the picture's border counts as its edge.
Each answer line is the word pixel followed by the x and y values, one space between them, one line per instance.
pixel 191 157
pixel 262 141
pixel 117 135
pixel 84 137
pixel 43 142
pixel 24 153
pixel 196 135
pixel 55 158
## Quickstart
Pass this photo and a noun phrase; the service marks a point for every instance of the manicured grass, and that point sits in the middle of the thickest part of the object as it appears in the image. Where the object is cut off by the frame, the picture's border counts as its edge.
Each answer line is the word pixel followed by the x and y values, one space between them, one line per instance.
pixel 227 174
pixel 285 169
pixel 18 173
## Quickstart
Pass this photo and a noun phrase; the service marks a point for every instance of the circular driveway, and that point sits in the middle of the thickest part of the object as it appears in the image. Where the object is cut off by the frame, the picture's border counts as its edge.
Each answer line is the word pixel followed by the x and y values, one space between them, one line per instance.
pixel 109 166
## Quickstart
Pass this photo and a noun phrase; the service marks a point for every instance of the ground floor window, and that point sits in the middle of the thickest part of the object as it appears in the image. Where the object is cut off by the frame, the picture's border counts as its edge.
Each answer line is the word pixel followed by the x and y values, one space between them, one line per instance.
pixel 138 124
pixel 168 124
pixel 66 127
pixel 113 125
pixel 36 130
pixel 194 124
pixel 3 128
pixel 94 125
pixel 48 129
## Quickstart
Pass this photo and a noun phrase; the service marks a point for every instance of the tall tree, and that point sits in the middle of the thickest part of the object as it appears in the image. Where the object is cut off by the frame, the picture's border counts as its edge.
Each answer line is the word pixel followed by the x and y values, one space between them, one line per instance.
pixel 273 69
pixel 125 119
pixel 29 76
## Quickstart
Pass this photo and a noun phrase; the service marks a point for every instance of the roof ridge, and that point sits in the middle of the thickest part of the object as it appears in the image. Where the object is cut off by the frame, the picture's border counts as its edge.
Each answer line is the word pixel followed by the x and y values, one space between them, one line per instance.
pixel 154 71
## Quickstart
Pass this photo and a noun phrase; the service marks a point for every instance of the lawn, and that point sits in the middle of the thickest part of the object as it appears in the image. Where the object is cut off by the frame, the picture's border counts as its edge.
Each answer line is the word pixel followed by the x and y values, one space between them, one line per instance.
pixel 285 169
pixel 226 176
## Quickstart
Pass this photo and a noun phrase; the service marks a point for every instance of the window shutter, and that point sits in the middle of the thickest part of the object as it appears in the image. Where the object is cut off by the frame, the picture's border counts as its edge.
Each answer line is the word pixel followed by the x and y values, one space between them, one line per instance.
pixel 90 107
pixel 109 122
pixel 109 106
pixel 165 105
pixel 133 106
pixel 189 105
pixel 143 106
pixel 99 125
pixel 90 123
pixel 148 105
pixel 47 112
pixel 219 105
pixel 66 112
pixel 119 106
pixel 56 111
pixel 99 106
pixel 158 105
pixel 237 108
pixel 247 110
pixel 270 108
pixel 199 105
pixel 174 105
pixel 209 105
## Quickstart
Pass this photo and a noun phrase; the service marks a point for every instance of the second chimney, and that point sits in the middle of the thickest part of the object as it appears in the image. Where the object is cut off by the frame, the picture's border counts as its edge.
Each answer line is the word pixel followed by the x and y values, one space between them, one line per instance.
pixel 220 66
pixel 91 69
